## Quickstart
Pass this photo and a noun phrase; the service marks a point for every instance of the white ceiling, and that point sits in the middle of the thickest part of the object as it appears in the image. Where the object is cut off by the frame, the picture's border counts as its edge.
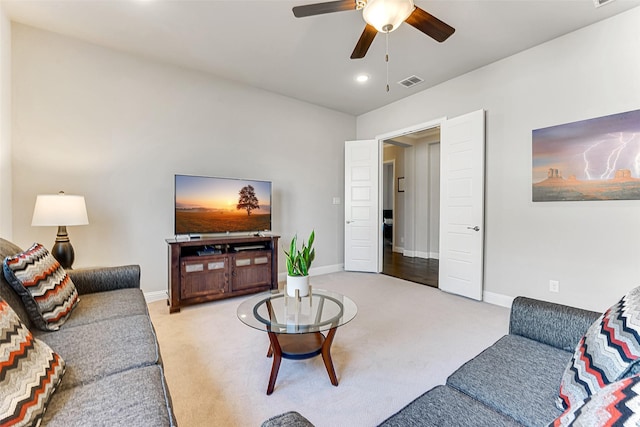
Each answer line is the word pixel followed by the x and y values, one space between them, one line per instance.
pixel 261 43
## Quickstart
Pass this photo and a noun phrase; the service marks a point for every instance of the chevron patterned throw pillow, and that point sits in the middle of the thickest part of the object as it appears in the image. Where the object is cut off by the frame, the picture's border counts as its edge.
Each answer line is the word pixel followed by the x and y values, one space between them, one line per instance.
pixel 46 290
pixel 605 354
pixel 29 372
pixel 616 405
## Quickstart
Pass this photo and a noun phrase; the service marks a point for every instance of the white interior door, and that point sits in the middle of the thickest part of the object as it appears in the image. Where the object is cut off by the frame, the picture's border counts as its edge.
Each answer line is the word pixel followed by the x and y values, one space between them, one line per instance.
pixel 362 226
pixel 462 205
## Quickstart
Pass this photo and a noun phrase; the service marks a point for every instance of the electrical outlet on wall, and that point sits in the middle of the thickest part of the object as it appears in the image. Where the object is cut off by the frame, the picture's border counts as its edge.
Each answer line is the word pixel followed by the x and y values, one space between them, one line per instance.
pixel 554 286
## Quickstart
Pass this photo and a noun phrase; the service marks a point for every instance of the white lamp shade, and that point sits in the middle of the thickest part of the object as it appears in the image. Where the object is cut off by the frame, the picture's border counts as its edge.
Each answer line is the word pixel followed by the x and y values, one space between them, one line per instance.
pixel 387 15
pixel 59 209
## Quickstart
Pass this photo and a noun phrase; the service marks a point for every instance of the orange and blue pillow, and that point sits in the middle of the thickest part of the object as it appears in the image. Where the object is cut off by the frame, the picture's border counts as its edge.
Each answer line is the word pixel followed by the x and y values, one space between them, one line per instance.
pixel 46 289
pixel 608 352
pixel 616 405
pixel 29 372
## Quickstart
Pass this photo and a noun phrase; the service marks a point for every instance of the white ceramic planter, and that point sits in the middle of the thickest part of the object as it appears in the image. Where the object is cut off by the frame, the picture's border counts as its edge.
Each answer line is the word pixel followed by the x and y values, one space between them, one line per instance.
pixel 297 282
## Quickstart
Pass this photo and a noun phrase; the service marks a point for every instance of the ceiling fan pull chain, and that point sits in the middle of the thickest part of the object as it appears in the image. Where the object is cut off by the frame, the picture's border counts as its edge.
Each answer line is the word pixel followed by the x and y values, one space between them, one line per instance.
pixel 386 58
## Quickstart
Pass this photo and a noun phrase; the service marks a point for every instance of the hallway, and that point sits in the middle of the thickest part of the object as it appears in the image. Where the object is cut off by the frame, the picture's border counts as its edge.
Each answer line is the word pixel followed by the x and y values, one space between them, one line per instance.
pixel 419 270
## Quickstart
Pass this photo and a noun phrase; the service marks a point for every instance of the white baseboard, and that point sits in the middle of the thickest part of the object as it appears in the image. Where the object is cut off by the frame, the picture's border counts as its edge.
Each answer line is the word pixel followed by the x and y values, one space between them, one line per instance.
pixel 326 269
pixel 155 296
pixel 282 277
pixel 497 299
pixel 420 254
pixel 428 255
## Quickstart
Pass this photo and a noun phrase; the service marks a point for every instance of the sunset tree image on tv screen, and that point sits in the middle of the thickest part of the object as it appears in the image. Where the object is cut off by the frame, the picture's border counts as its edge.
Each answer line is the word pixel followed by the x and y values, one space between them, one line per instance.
pixel 219 205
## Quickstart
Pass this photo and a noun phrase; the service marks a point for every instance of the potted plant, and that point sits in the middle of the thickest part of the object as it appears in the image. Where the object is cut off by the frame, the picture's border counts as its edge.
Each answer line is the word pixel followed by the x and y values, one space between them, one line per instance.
pixel 298 264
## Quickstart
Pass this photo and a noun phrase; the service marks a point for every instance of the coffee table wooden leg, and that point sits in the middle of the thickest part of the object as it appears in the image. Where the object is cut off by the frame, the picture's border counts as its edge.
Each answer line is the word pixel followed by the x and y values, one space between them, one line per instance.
pixel 277 358
pixel 326 356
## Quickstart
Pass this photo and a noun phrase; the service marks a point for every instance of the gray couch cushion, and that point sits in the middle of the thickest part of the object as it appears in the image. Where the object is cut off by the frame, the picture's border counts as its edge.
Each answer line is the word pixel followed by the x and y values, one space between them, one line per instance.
pixel 95 350
pixel 288 419
pixel 8 249
pixel 444 406
pixel 101 279
pixel 516 376
pixel 131 398
pixel 107 305
pixel 557 325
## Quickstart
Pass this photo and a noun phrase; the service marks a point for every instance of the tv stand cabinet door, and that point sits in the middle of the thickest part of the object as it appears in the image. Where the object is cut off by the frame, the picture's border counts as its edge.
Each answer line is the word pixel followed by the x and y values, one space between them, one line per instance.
pixel 251 269
pixel 204 276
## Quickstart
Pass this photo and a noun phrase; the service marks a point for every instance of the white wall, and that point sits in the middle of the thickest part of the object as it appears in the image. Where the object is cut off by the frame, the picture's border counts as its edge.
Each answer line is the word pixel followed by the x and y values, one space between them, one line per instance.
pixel 591 248
pixel 434 200
pixel 388 180
pixel 116 128
pixel 421 195
pixel 5 126
pixel 393 152
pixel 427 202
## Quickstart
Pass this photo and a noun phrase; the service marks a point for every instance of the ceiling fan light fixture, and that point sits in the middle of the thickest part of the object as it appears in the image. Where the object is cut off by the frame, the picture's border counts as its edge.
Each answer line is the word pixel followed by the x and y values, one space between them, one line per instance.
pixel 387 15
pixel 360 4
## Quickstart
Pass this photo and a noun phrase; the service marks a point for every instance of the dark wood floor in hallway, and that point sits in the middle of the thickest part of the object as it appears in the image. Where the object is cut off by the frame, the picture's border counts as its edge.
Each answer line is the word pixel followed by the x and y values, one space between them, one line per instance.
pixel 419 270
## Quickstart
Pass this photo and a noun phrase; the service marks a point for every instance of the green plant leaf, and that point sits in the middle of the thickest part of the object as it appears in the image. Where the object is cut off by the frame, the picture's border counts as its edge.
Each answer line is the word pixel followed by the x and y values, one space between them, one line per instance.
pixel 289 267
pixel 303 267
pixel 299 260
pixel 294 243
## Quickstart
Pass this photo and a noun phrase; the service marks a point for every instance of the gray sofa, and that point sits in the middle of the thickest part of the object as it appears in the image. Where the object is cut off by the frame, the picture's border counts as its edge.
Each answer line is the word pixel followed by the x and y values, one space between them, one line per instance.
pixel 515 382
pixel 114 374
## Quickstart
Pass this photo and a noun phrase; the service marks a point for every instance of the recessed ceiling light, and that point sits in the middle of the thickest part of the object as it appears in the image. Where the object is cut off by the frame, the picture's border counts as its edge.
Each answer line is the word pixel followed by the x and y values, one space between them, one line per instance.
pixel 362 78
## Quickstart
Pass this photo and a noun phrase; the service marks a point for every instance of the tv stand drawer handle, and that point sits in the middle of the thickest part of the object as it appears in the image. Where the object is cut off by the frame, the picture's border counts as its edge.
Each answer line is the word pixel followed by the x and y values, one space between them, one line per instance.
pixel 215 265
pixel 192 268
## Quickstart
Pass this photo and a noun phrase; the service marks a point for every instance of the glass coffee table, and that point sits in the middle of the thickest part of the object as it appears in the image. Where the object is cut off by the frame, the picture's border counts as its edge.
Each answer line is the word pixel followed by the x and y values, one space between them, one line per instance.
pixel 296 326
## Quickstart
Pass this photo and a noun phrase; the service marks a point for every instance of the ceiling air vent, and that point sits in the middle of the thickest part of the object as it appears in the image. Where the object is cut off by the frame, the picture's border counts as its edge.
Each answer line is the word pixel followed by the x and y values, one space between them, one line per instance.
pixel 413 80
pixel 599 3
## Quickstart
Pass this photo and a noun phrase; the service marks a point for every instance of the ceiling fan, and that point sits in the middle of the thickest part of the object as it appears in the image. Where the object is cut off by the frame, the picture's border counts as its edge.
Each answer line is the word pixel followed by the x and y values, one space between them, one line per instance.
pixel 381 16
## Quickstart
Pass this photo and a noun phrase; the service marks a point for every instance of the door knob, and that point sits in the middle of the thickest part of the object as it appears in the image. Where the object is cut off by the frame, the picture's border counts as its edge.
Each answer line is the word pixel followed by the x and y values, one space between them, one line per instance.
pixel 476 228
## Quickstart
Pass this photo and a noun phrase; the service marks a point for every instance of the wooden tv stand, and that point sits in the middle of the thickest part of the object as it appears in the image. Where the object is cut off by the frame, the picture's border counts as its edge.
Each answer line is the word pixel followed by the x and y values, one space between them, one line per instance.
pixel 202 270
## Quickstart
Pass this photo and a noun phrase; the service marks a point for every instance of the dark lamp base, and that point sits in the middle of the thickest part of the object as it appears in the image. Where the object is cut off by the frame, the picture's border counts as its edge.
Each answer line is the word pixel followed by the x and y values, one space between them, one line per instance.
pixel 62 249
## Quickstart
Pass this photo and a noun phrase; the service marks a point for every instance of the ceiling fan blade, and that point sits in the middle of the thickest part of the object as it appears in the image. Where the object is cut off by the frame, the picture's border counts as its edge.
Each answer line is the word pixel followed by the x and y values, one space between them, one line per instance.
pixel 430 25
pixel 364 42
pixel 320 8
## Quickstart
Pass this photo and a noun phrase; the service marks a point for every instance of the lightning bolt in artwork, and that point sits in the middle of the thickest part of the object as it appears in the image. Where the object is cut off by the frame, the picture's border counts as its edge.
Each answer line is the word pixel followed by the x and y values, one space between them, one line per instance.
pixel 595 159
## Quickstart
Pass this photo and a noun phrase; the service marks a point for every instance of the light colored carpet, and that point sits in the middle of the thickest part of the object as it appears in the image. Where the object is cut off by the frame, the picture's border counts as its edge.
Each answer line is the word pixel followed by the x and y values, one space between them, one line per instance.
pixel 405 339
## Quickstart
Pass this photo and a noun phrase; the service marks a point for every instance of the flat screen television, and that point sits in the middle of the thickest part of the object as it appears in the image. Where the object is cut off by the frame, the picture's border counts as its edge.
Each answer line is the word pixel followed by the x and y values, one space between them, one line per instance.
pixel 213 205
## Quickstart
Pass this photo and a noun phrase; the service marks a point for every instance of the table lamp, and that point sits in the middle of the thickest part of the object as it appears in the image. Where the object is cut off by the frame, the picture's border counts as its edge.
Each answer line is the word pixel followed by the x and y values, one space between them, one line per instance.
pixel 60 210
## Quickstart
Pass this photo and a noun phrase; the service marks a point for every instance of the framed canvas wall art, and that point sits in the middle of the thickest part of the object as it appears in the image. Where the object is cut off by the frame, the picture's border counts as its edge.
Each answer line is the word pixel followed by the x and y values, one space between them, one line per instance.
pixel 595 159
